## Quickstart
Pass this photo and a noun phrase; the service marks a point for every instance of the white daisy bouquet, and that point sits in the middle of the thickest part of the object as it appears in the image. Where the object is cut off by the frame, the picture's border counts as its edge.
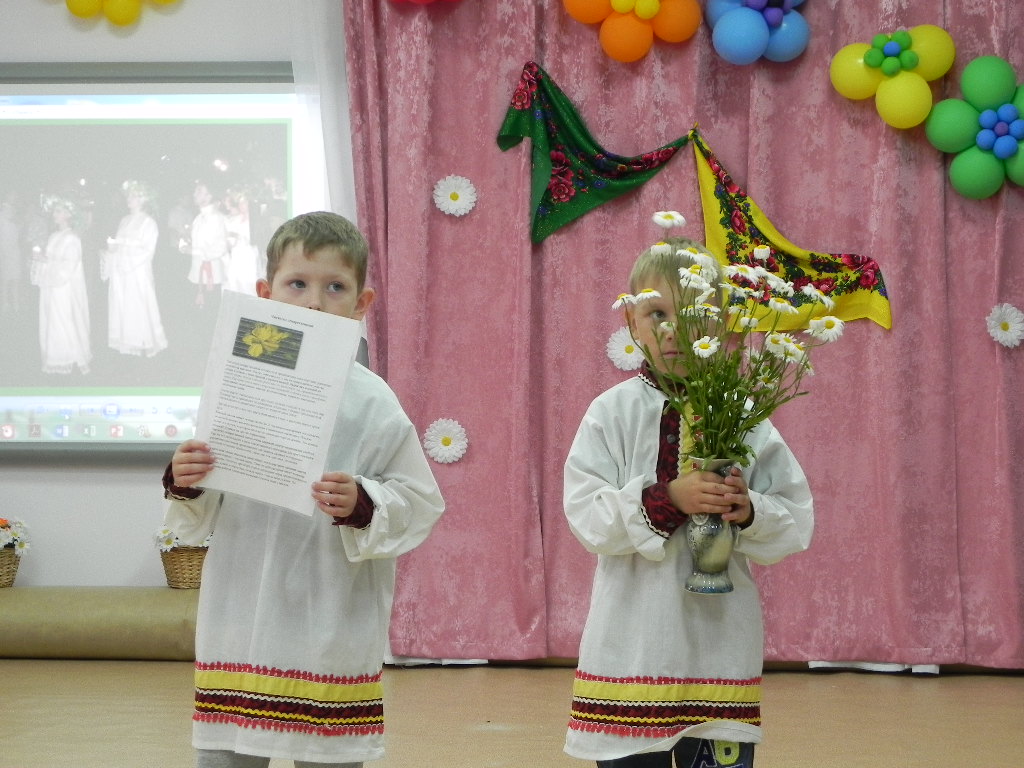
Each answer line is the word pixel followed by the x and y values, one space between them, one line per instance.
pixel 731 375
pixel 166 539
pixel 14 535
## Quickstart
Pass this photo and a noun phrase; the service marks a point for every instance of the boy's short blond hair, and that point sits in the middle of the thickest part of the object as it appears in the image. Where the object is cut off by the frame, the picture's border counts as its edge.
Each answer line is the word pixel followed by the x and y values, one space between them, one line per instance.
pixel 320 229
pixel 659 264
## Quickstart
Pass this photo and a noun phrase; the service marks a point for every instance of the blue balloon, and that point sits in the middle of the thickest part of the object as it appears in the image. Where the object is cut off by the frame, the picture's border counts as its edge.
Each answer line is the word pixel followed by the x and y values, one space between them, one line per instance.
pixel 740 36
pixel 715 9
pixel 1005 146
pixel 789 39
pixel 988 119
pixel 986 139
pixel 1008 113
pixel 1017 129
pixel 892 48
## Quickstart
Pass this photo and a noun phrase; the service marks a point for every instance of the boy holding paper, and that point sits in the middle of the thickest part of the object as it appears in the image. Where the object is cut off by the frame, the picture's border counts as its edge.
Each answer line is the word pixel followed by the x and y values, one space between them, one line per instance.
pixel 294 610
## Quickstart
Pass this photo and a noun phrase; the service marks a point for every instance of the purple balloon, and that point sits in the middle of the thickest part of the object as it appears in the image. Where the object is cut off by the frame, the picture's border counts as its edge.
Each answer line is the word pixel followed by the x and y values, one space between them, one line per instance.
pixel 757 5
pixel 772 16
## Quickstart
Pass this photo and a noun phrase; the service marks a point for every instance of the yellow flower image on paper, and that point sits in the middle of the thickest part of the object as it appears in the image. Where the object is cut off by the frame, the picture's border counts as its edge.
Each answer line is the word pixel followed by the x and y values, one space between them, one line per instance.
pixel 264 339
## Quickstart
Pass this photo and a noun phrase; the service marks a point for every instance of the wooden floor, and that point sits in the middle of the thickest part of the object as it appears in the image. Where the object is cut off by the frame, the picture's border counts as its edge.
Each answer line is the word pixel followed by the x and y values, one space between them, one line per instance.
pixel 93 714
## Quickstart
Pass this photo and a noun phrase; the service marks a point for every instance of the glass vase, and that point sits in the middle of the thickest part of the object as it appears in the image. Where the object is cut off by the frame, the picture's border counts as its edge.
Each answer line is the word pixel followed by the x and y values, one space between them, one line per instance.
pixel 711 540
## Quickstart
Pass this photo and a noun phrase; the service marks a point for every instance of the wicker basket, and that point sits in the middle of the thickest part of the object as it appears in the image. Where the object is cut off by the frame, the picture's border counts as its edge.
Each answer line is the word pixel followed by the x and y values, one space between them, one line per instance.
pixel 183 566
pixel 8 566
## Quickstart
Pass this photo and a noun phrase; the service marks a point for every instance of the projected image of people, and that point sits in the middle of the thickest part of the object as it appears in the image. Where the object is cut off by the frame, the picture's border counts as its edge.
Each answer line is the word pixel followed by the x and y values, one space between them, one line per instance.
pixel 11 257
pixel 243 264
pixel 209 243
pixel 63 300
pixel 134 325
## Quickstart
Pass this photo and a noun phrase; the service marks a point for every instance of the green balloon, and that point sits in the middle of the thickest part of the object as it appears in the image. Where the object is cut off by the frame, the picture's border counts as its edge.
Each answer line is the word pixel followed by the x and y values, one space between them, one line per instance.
pixel 903 38
pixel 976 174
pixel 909 59
pixel 952 125
pixel 879 40
pixel 1015 168
pixel 1018 100
pixel 988 82
pixel 874 57
pixel 891 66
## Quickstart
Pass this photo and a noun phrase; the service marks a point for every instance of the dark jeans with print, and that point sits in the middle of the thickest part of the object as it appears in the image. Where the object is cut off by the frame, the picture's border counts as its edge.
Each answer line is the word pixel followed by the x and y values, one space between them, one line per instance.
pixel 691 753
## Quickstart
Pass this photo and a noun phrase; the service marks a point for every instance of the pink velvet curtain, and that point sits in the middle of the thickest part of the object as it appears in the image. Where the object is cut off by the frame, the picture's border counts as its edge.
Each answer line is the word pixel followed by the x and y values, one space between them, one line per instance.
pixel 910 437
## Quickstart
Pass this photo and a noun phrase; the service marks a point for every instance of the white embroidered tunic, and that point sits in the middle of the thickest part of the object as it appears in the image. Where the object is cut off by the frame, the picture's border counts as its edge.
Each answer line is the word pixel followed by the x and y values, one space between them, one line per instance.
pixel 656 662
pixel 293 610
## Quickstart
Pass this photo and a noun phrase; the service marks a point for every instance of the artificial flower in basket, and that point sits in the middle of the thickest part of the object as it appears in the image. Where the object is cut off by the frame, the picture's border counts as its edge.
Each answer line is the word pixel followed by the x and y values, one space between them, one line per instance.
pixel 717 369
pixel 13 544
pixel 183 565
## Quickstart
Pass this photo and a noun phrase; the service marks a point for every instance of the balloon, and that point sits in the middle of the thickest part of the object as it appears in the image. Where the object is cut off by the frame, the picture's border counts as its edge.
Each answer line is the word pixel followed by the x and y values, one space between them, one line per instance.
pixel 1004 147
pixel 976 174
pixel 122 12
pixel 935 50
pixel 679 20
pixel 740 36
pixel 1015 168
pixel 952 125
pixel 84 9
pixel 789 39
pixel 588 11
pixel 904 101
pixel 850 76
pixel 647 9
pixel 715 9
pixel 623 6
pixel 163 2
pixel 987 82
pixel 626 38
pixel 1018 99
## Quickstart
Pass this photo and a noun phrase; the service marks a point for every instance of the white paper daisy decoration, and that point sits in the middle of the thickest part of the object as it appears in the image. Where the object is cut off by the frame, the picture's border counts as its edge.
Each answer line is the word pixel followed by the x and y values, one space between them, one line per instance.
pixel 455 195
pixel 623 351
pixel 1006 324
pixel 445 441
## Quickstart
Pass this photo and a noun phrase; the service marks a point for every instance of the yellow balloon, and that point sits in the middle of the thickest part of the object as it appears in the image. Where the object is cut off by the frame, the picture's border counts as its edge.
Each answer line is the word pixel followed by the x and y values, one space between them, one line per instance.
pixel 904 101
pixel 84 9
pixel 647 9
pixel 935 48
pixel 163 2
pixel 851 76
pixel 623 6
pixel 122 12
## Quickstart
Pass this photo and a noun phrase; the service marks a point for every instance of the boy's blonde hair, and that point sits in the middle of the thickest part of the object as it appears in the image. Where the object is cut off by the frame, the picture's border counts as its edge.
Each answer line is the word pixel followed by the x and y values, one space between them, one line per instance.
pixel 659 264
pixel 320 229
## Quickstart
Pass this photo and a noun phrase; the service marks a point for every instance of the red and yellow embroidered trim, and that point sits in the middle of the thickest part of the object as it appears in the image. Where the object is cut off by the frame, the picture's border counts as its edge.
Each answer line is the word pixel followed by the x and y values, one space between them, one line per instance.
pixel 289 700
pixel 660 707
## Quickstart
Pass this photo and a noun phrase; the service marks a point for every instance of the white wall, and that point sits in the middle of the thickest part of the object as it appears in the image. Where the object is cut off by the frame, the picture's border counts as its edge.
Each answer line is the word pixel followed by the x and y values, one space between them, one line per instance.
pixel 91 519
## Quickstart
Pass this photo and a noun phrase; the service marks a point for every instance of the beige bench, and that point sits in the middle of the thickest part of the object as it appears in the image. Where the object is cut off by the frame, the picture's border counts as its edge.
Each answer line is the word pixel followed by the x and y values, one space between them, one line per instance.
pixel 151 623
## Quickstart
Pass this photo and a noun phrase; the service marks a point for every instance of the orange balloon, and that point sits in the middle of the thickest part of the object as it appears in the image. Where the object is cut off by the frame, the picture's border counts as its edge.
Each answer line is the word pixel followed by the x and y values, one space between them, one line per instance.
pixel 588 11
pixel 84 9
pixel 625 37
pixel 677 20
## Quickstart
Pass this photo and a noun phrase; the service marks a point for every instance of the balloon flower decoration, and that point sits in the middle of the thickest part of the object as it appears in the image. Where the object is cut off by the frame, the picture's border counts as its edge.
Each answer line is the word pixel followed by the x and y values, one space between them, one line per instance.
pixel 628 27
pixel 895 69
pixel 120 12
pixel 985 129
pixel 742 31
